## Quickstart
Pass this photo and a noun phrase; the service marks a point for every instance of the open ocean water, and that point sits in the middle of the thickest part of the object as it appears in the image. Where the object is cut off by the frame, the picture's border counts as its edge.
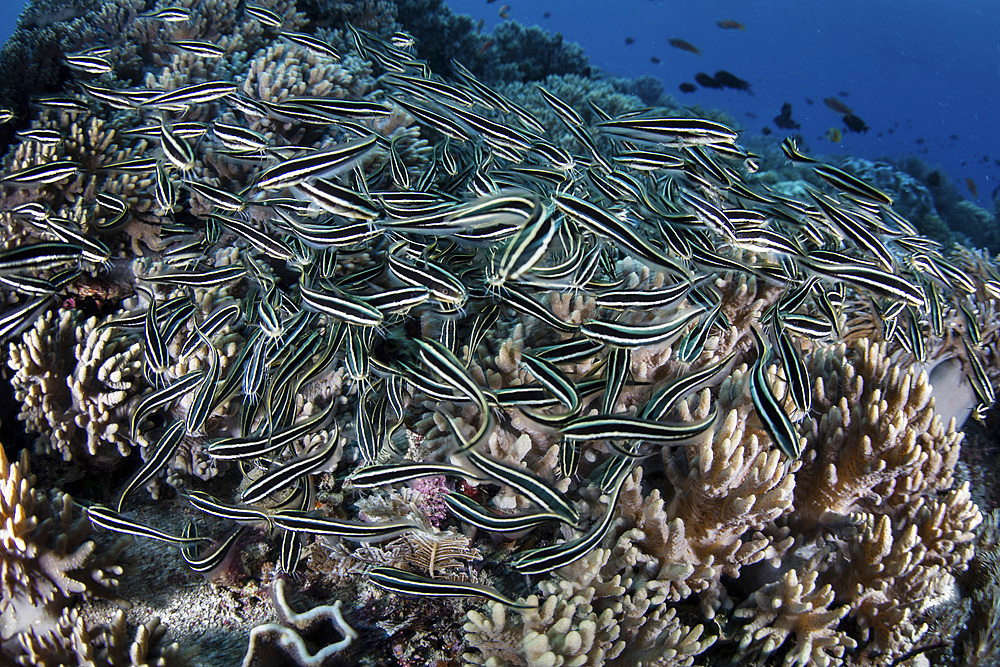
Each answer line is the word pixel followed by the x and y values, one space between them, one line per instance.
pixel 923 75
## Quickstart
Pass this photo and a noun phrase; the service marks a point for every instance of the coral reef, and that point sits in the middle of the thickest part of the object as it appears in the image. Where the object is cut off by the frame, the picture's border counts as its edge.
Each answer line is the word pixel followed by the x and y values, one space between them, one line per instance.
pixel 75 641
pixel 299 639
pixel 422 310
pixel 47 558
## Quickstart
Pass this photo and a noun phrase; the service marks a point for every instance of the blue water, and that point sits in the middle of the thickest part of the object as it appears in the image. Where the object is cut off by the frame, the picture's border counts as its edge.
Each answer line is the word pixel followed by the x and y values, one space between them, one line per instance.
pixel 9 9
pixel 923 69
pixel 918 73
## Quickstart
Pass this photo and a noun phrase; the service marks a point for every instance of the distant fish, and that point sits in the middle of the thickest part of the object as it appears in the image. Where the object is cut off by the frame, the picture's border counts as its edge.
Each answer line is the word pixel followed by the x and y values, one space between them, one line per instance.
pixel 479 26
pixel 490 2
pixel 784 119
pixel 728 80
pixel 731 25
pixel 504 9
pixel 843 93
pixel 834 135
pixel 687 87
pixel 654 60
pixel 706 81
pixel 971 184
pixel 809 101
pixel 683 46
pixel 486 46
pixel 629 41
pixel 837 105
pixel 547 15
pixel 854 124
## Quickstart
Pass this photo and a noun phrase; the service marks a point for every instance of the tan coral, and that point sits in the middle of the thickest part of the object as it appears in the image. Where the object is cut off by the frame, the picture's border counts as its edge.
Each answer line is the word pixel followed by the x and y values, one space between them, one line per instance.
pixel 588 618
pixel 75 640
pixel 75 381
pixel 796 606
pixel 46 558
pixel 879 426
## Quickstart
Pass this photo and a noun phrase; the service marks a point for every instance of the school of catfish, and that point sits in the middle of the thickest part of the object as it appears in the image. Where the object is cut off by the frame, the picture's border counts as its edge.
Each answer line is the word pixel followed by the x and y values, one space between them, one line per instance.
pixel 502 214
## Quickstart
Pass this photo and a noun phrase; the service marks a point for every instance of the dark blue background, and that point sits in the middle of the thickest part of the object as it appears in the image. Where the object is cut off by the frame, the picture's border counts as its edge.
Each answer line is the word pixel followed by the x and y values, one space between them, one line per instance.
pixel 925 69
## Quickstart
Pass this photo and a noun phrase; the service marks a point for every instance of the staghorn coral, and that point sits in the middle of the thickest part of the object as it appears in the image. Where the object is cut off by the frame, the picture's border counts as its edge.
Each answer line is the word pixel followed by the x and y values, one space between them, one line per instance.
pixel 47 559
pixel 76 641
pixel 588 618
pixel 801 608
pixel 879 440
pixel 79 410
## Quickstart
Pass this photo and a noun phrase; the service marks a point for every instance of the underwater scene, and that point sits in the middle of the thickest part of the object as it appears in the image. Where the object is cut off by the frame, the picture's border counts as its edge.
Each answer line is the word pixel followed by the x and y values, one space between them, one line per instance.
pixel 411 333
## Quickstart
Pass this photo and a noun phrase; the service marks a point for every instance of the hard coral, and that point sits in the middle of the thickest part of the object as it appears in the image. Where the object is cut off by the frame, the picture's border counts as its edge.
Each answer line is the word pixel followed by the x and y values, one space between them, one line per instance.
pixel 74 381
pixel 308 639
pixel 46 558
pixel 76 641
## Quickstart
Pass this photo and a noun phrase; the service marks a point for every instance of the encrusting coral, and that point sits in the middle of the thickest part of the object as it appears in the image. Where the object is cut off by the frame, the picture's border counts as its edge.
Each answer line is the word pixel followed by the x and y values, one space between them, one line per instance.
pixel 307 639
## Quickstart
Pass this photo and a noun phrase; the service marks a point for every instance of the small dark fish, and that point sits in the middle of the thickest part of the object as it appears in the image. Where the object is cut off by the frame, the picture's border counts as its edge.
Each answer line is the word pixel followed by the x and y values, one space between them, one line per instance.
pixel 629 41
pixel 504 12
pixel 971 184
pixel 729 80
pixel 486 46
pixel 837 105
pixel 706 81
pixel 683 46
pixel 654 60
pixel 479 25
pixel 765 131
pixel 731 25
pixel 809 101
pixel 854 124
pixel 843 93
pixel 490 2
pixel 784 119
pixel 953 137
pixel 547 15
pixel 934 179
pixel 687 87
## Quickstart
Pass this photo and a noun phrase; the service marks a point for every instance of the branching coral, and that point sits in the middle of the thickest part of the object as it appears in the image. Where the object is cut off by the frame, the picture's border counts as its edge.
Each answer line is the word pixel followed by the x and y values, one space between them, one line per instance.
pixel 47 558
pixel 588 618
pixel 77 409
pixel 800 608
pixel 75 641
